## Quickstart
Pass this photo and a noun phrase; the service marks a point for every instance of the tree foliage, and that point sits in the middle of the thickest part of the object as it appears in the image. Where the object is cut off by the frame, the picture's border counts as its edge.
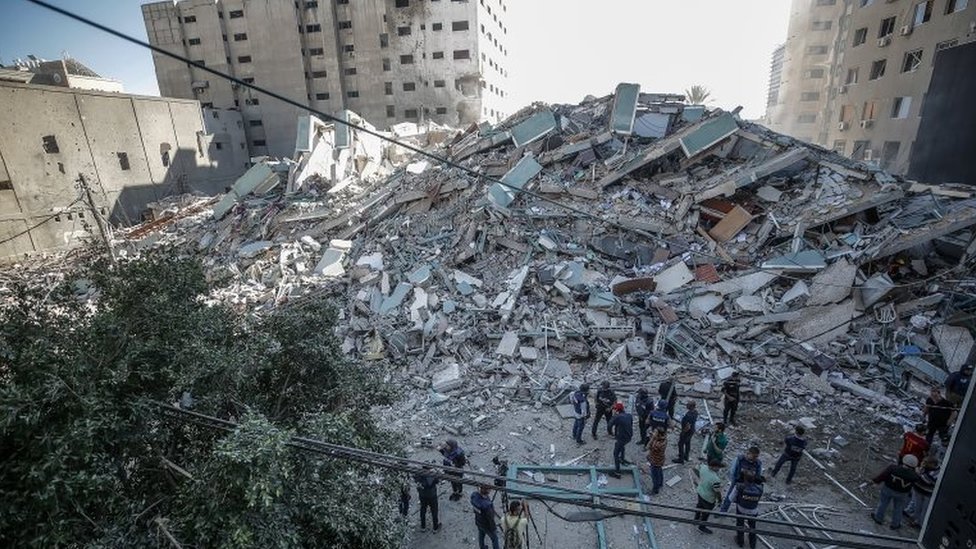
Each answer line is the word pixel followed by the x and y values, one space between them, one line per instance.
pixel 84 461
pixel 697 95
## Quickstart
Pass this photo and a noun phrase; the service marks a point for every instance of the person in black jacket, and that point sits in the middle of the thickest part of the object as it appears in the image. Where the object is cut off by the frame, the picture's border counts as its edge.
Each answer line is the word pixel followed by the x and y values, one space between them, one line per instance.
pixel 668 393
pixel 792 452
pixel 454 457
pixel 605 399
pixel 643 404
pixel 427 492
pixel 897 481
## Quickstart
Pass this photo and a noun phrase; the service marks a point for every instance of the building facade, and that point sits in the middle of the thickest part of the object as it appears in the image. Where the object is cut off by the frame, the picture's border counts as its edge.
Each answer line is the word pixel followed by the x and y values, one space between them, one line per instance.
pixel 388 60
pixel 856 72
pixel 129 150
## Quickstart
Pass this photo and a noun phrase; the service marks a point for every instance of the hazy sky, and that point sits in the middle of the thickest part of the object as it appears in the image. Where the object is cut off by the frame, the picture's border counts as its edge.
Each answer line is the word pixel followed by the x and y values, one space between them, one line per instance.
pixel 561 50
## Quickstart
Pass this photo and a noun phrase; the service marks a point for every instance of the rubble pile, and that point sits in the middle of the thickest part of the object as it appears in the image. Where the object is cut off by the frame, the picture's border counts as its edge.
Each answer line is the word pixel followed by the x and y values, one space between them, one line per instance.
pixel 630 238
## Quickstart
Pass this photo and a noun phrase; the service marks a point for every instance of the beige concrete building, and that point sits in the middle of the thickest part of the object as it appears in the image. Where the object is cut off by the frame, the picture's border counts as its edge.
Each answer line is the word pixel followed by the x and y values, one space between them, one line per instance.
pixel 855 72
pixel 130 150
pixel 388 60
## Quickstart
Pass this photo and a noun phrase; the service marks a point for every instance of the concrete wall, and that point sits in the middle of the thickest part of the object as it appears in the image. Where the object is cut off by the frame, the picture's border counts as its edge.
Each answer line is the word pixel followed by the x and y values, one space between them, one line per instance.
pixel 131 150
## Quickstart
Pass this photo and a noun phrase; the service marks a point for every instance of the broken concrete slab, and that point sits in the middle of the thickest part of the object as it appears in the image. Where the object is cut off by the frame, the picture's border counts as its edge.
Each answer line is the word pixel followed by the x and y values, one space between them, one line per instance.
pixel 730 225
pixel 534 127
pixel 807 261
pixel 259 176
pixel 252 249
pixel 508 344
pixel 874 289
pixel 447 379
pixel 746 284
pixel 821 325
pixel 798 290
pixel 708 134
pixel 396 298
pixel 514 181
pixel 955 343
pixel 833 283
pixel 672 278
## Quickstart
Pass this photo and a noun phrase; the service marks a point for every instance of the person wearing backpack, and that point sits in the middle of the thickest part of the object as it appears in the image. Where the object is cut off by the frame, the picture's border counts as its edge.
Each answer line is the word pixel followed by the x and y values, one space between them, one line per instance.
pixel 515 525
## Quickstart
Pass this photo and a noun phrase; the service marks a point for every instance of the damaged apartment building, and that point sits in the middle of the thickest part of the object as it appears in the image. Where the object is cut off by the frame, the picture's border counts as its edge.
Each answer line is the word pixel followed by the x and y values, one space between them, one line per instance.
pixel 388 60
pixel 76 153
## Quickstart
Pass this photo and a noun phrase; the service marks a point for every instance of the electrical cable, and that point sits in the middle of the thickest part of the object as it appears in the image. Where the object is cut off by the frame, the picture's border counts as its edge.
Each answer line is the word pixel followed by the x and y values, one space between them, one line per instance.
pixel 42 222
pixel 419 467
pixel 422 152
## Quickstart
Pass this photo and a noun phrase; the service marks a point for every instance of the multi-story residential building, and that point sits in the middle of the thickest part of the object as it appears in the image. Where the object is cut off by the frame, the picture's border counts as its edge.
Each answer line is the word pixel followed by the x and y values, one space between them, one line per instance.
pixel 388 60
pixel 775 77
pixel 856 72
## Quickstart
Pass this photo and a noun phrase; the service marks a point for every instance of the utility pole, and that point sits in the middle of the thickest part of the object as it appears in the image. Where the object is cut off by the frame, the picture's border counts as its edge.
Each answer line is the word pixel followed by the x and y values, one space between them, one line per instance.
pixel 103 228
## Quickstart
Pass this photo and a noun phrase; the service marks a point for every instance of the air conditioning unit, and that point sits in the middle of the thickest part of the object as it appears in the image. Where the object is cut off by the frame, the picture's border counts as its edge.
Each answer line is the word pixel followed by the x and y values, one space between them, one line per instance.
pixel 842 90
pixel 865 124
pixel 906 30
pixel 842 126
pixel 868 155
pixel 884 41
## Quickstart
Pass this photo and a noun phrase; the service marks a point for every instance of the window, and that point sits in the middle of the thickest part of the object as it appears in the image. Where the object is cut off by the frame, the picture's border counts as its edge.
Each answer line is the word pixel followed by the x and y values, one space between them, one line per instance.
pixel 946 45
pixel 256 123
pixel 437 26
pixel 923 12
pixel 462 54
pixel 349 71
pixel 241 36
pixel 406 59
pixel 852 75
pixel 164 158
pixel 821 25
pixel 50 144
pixel 901 107
pixel 345 25
pixel 190 19
pixel 384 40
pixel 409 86
pixel 816 50
pixel 313 28
pixel 887 27
pixel 410 113
pixel 878 69
pixel 889 153
pixel 441 110
pixel 439 83
pixel 860 150
pixel 320 74
pixel 840 146
pixel 437 55
pixel 349 48
pixel 390 111
pixel 403 3
pixel 322 96
pixel 952 6
pixel 808 118
pixel 244 59
pixel 258 142
pixel 403 31
pixel 870 111
pixel 123 161
pixel 386 64
pixel 459 26
pixel 866 3
pixel 912 61
pixel 248 79
pixel 236 14
pixel 388 88
pixel 826 2
pixel 311 4
pixel 316 51
pixel 252 101
pixel 814 73
pixel 860 36
pixel 199 62
pixel 194 41
pixel 342 2
pixel 846 113
pixel 810 96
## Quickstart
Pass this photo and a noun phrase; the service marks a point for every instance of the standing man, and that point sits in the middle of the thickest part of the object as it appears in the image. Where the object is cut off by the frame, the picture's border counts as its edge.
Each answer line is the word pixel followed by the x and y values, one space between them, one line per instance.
pixel 717 441
pixel 581 411
pixel 914 443
pixel 957 384
pixel 655 457
pixel 748 462
pixel 938 415
pixel 668 393
pixel 643 404
pixel 922 492
pixel 792 452
pixel 405 499
pixel 898 481
pixel 427 492
pixel 622 428
pixel 484 516
pixel 659 417
pixel 688 422
pixel 454 457
pixel 746 494
pixel 730 394
pixel 515 525
pixel 709 491
pixel 605 399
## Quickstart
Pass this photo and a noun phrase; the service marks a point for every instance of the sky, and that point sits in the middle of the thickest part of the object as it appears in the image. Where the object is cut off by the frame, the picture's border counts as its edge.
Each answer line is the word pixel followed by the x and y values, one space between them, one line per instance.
pixel 560 50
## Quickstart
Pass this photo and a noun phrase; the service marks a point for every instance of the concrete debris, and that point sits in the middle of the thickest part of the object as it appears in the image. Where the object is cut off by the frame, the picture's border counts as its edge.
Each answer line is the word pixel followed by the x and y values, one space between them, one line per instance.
pixel 697 244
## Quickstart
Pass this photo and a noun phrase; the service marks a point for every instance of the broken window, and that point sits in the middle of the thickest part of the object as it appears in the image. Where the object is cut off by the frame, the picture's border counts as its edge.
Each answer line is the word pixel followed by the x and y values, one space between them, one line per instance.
pixel 810 96
pixel 345 25
pixel 388 88
pixel 322 96
pixel 50 144
pixel 462 54
pixel 816 50
pixel 190 19
pixel 349 48
pixel 866 3
pixel 319 74
pixel 316 51
pixel 860 36
pixel 342 2
pixel 403 31
pixel 390 111
pixel 808 118
pixel 409 86
pixel 244 59
pixel 441 110
pixel 123 161
pixel 384 40
pixel 814 73
pixel 821 25
pixel 946 45
pixel 200 62
pixel 870 111
pixel 313 28
pixel 459 26
pixel 310 4
pixel 437 26
pixel 386 65
pixel 952 6
pixel 252 101
pixel 878 69
pixel 923 12
pixel 255 123
pixel 240 37
pixel 193 41
pixel 218 145
pixel 236 13
pixel 402 3
pixel 439 83
pixel 852 75
pixel 258 142
pixel 352 93
pixel 437 55
pixel 912 61
pixel 6 185
pixel 840 146
pixel 900 107
pixel 350 71
pixel 860 150
pixel 889 153
pixel 887 27
pixel 164 153
pixel 406 59
pixel 410 113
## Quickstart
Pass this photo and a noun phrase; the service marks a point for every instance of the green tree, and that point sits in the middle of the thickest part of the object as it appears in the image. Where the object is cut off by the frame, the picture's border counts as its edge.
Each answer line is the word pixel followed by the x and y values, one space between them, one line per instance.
pixel 697 95
pixel 84 461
